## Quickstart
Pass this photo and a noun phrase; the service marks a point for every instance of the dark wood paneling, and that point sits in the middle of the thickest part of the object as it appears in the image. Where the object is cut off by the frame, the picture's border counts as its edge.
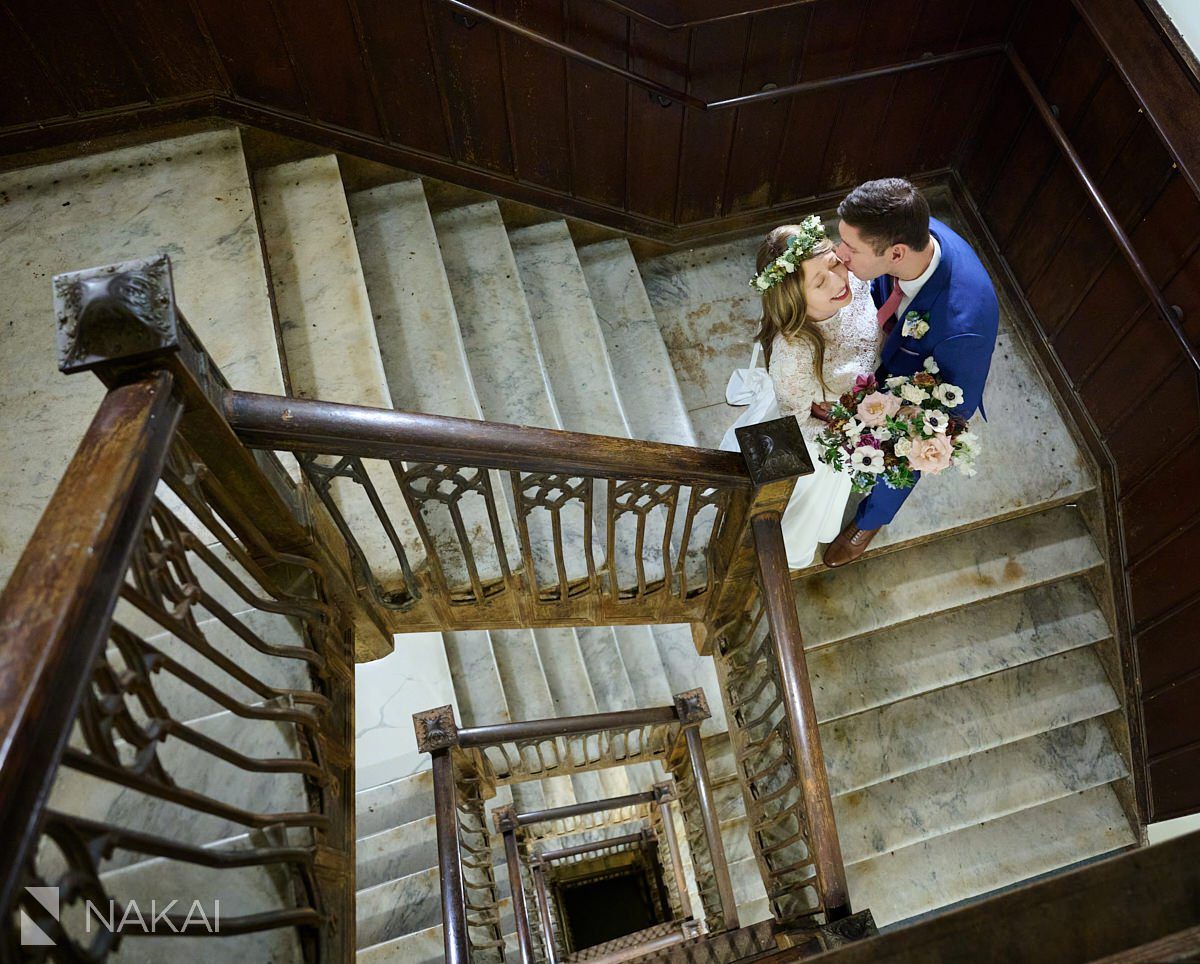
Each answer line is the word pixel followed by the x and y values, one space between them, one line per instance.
pixel 408 85
pixel 30 94
pixel 1173 784
pixel 655 130
pixel 324 42
pixel 776 46
pixel 253 52
pixel 168 46
pixel 832 49
pixel 535 84
pixel 1168 652
pixel 468 64
pixel 1170 718
pixel 77 43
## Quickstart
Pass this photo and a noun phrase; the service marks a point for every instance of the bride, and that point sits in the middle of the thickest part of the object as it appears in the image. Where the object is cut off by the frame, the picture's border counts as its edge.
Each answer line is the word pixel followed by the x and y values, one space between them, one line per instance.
pixel 819 332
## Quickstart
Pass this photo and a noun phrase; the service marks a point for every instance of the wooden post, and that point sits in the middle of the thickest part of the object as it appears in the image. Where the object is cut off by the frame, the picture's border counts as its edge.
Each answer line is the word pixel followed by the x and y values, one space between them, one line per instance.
pixel 539 887
pixel 506 823
pixel 665 794
pixel 437 735
pixel 780 605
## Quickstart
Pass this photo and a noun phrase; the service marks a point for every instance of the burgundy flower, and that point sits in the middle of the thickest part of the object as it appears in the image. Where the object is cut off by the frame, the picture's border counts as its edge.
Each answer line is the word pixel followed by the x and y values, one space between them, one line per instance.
pixel 869 440
pixel 865 384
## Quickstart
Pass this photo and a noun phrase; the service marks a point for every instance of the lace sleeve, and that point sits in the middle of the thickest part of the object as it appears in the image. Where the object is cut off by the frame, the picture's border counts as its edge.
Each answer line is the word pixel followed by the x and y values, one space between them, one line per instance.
pixel 795 380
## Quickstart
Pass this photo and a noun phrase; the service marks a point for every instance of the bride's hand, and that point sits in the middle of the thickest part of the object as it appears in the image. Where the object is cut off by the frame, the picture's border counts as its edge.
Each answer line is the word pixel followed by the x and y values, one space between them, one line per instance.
pixel 821 410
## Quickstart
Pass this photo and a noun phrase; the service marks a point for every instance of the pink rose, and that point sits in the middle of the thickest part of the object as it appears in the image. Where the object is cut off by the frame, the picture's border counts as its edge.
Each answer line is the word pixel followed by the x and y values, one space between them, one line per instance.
pixel 931 454
pixel 877 408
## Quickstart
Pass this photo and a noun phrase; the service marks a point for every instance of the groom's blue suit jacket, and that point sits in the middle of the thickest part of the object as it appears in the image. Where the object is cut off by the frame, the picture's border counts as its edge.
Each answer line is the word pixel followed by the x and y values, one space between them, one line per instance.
pixel 963 316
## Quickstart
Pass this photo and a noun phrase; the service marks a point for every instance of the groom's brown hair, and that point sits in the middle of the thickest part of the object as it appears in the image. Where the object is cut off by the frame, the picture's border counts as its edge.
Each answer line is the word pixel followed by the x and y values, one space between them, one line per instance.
pixel 886 212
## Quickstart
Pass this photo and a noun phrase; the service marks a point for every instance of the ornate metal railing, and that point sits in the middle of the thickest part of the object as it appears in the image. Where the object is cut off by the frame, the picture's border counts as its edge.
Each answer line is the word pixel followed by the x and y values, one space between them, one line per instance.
pixel 458 524
pixel 580 744
pixel 174 671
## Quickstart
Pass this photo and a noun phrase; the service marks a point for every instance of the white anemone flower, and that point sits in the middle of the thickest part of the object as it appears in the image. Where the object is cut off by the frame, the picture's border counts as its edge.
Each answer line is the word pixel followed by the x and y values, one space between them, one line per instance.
pixel 896 381
pixel 949 395
pixel 914 394
pixel 936 422
pixel 867 459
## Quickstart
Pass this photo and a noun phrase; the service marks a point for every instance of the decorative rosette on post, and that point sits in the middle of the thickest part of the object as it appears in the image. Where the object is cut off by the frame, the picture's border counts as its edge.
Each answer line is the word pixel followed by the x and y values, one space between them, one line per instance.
pixel 886 433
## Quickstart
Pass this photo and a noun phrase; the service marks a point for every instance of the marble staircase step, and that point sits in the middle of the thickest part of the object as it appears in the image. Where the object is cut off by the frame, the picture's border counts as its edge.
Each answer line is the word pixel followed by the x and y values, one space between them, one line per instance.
pixel 567 329
pixel 398 852
pixel 937 577
pixel 890 741
pixel 328 332
pixel 393 804
pixel 984 857
pixel 416 325
pixel 476 675
pixel 948 648
pixel 643 664
pixel 974 789
pixel 686 669
pixel 497 328
pixel 190 196
pixel 426 946
pixel 646 384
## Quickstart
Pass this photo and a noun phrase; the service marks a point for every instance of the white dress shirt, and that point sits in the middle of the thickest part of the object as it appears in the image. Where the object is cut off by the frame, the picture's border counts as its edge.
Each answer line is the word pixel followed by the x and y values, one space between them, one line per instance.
pixel 910 288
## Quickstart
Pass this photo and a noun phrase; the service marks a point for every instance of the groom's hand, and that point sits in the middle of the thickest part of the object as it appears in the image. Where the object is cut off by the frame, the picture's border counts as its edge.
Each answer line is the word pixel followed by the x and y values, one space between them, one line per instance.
pixel 821 410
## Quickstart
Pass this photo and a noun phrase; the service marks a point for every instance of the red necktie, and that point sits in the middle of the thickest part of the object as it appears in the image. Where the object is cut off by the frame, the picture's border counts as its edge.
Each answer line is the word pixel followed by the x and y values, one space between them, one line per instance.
pixel 887 313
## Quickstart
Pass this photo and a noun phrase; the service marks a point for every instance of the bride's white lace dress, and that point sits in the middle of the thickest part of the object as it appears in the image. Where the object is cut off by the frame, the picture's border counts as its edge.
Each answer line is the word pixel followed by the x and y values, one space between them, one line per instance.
pixel 852 340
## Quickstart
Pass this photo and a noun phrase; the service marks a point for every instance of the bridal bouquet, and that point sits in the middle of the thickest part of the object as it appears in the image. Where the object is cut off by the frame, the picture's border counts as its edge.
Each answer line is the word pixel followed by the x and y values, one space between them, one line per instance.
pixel 887 432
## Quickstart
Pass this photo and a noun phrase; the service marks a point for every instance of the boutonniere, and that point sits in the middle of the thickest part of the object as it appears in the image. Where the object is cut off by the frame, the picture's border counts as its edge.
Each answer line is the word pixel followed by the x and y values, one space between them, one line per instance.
pixel 916 324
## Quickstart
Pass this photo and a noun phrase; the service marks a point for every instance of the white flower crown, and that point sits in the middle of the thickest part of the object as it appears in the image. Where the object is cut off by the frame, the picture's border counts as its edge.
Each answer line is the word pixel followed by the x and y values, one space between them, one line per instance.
pixel 799 248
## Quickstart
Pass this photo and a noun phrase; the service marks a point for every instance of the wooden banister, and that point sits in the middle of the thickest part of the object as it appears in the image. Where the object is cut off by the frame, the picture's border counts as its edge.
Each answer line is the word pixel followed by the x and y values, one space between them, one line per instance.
pixel 55 609
pixel 331 428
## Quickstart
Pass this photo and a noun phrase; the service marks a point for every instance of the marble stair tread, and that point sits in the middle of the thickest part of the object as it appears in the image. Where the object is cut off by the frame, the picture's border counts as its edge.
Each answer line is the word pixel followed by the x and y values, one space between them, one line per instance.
pixel 398 852
pixel 425 946
pixel 94 210
pixel 497 327
pixel 936 577
pixel 974 789
pixel 890 741
pixel 567 329
pixel 686 669
pixel 646 384
pixel 983 858
pixel 949 648
pixel 522 674
pixel 406 904
pixel 416 325
pixel 328 332
pixel 476 676
pixel 643 664
pixel 393 804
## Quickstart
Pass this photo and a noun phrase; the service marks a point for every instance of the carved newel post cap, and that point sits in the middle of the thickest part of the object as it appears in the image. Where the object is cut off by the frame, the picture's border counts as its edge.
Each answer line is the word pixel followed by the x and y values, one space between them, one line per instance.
pixel 774 450
pixel 436 729
pixel 692 706
pixel 505 818
pixel 664 792
pixel 115 313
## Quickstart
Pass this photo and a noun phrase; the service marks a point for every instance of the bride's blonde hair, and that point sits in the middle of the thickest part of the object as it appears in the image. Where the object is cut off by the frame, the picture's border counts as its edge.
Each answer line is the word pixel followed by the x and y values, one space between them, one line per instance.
pixel 785 308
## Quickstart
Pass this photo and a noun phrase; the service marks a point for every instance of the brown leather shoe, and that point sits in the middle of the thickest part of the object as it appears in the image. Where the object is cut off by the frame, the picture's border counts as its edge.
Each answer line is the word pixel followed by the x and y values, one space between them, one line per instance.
pixel 848 546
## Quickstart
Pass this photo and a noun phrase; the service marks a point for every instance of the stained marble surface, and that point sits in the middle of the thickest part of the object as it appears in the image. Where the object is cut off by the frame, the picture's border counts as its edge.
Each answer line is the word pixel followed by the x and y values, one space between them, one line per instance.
pixel 378 808
pixel 415 321
pixel 980 859
pixel 969 567
pixel 977 788
pixel 568 331
pixel 398 907
pixel 949 648
pixel 415 676
pixel 890 741
pixel 188 197
pixel 396 852
pixel 420 947
pixel 473 666
pixel 646 382
pixel 328 332
pixel 686 669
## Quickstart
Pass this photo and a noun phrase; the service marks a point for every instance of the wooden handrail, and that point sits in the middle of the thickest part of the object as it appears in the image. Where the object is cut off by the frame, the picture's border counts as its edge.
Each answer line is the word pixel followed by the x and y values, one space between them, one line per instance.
pixel 332 428
pixel 492 734
pixel 588 806
pixel 59 601
pixel 587 848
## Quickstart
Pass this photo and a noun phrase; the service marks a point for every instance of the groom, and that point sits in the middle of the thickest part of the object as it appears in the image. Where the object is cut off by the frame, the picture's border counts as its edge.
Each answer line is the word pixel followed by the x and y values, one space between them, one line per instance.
pixel 934 299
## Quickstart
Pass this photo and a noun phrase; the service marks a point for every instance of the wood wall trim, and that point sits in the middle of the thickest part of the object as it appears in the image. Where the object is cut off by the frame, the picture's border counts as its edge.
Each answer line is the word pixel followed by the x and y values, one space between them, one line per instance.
pixel 1171 98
